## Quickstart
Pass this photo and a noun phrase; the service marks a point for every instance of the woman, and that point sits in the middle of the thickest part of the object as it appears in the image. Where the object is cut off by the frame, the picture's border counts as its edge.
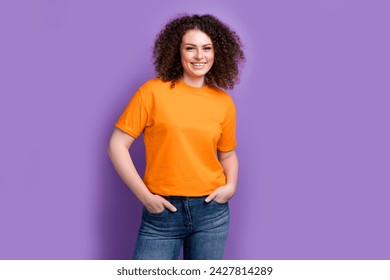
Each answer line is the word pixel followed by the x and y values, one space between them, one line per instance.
pixel 188 124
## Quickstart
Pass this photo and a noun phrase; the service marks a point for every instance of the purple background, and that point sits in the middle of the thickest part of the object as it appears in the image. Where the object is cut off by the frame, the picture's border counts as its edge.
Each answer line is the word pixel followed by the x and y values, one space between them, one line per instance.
pixel 313 126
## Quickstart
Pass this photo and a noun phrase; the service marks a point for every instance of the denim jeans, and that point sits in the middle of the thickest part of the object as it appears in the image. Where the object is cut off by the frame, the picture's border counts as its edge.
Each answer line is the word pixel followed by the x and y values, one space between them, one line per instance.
pixel 198 227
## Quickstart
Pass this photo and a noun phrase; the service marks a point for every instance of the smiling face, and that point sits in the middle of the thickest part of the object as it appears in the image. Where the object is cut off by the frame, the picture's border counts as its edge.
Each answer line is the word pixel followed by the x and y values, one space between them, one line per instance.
pixel 197 57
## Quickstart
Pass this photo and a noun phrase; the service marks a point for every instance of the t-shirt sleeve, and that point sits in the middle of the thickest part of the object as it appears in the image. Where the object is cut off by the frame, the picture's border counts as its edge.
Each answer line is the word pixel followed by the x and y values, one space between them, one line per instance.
pixel 134 118
pixel 227 142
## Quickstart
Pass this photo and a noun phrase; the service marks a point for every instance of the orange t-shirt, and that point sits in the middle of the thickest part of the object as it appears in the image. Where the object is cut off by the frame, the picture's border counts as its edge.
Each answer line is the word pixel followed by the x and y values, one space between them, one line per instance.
pixel 183 128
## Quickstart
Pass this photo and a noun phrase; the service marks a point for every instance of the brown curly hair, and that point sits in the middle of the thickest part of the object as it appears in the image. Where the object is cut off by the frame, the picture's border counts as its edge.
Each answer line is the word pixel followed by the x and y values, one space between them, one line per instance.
pixel 227 47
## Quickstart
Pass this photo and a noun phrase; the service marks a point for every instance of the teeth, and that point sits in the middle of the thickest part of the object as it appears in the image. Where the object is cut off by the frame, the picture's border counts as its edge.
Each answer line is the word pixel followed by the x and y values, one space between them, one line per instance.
pixel 199 64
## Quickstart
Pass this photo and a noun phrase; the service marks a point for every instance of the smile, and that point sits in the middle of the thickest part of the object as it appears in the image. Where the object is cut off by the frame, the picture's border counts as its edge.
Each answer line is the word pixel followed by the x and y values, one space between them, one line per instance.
pixel 198 64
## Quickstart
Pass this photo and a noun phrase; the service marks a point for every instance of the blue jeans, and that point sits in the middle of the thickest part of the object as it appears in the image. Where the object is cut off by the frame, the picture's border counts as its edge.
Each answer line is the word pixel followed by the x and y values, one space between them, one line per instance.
pixel 200 228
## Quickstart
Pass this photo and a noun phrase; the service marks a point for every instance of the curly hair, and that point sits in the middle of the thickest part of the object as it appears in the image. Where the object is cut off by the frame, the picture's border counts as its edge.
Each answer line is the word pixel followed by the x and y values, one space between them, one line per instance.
pixel 227 47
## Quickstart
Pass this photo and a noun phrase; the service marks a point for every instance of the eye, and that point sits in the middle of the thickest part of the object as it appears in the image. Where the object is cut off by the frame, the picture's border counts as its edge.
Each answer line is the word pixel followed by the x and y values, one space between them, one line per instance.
pixel 207 48
pixel 189 48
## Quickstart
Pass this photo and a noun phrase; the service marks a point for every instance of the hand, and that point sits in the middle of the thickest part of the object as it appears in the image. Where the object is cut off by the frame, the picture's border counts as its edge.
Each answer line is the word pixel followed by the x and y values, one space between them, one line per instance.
pixel 156 204
pixel 222 194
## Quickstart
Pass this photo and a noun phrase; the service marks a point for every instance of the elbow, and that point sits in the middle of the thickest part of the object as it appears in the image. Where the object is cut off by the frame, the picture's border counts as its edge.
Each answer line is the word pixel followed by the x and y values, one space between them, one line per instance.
pixel 119 143
pixel 109 152
pixel 110 148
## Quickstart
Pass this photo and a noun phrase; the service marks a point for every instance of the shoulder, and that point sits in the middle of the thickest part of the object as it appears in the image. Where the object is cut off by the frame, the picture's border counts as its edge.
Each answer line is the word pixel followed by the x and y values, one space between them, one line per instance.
pixel 222 95
pixel 153 90
pixel 219 92
pixel 154 84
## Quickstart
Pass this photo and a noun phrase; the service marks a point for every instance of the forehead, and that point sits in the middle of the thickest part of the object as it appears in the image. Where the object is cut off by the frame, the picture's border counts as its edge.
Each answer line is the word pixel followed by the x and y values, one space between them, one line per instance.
pixel 196 37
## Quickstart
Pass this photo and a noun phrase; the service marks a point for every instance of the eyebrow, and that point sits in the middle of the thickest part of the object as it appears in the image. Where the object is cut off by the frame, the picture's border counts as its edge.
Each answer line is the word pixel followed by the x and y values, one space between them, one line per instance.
pixel 195 45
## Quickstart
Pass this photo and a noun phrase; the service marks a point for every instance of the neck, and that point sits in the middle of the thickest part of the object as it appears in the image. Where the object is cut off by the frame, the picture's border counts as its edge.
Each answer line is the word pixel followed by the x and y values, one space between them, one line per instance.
pixel 194 82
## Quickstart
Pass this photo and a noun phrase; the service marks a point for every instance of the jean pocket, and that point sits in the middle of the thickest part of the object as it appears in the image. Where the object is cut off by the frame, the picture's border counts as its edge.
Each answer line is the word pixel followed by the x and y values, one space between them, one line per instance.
pixel 155 214
pixel 218 203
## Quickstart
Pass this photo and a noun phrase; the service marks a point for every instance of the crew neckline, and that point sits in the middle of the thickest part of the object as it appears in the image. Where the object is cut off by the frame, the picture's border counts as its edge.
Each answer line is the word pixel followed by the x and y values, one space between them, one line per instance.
pixel 185 85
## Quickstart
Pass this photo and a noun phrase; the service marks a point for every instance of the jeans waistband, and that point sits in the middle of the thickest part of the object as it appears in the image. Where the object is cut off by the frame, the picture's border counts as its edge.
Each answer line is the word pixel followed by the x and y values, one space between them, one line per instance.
pixel 183 198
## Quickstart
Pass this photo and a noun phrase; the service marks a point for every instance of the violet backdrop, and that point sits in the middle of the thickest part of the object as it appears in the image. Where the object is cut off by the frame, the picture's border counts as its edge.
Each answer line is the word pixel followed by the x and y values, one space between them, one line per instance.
pixel 313 126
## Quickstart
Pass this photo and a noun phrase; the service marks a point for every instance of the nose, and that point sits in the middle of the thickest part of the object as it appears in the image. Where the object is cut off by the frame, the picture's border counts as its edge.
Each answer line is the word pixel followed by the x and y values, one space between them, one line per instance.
pixel 199 54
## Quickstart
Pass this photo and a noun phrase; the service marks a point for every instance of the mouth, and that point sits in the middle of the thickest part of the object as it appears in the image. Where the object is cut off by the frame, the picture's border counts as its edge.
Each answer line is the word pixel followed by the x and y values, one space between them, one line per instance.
pixel 198 64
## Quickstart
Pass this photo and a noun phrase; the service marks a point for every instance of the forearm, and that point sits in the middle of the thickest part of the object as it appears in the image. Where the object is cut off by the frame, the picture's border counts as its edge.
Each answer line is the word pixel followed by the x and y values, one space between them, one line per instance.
pixel 125 168
pixel 229 162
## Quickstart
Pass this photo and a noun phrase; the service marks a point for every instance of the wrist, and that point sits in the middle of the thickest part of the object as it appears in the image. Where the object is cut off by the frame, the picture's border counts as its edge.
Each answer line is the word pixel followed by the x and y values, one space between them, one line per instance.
pixel 231 186
pixel 145 197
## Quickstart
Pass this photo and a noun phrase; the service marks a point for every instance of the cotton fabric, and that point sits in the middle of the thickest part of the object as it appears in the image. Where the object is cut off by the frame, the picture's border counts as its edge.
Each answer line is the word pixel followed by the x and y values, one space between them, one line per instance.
pixel 183 128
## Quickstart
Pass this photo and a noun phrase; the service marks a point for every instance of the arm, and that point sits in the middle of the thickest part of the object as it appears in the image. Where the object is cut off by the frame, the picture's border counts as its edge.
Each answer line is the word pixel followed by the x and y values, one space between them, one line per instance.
pixel 229 162
pixel 118 151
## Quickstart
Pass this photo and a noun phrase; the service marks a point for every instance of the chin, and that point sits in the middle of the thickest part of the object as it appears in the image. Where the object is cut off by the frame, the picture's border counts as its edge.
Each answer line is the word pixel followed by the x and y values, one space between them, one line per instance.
pixel 199 74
